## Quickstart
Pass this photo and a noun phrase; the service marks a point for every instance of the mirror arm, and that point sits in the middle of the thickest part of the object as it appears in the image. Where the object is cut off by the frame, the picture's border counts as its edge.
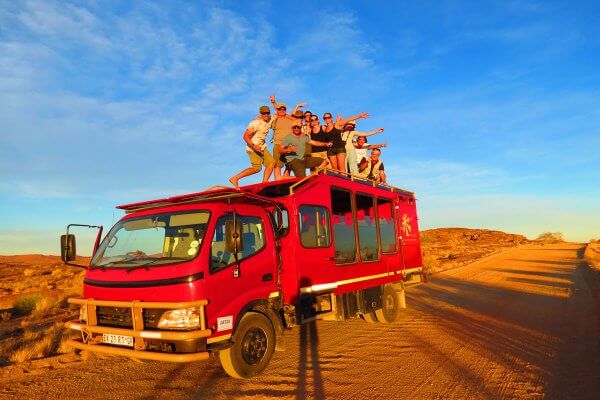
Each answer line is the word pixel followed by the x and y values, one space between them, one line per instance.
pixel 100 228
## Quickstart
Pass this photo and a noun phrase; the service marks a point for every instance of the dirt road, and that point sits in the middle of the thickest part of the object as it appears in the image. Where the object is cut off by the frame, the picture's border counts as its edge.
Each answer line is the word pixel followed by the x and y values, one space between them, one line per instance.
pixel 522 324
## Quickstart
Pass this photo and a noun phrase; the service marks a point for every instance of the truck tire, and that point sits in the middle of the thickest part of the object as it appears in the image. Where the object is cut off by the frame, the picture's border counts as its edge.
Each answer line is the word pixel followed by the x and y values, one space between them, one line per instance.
pixel 370 317
pixel 253 347
pixel 393 303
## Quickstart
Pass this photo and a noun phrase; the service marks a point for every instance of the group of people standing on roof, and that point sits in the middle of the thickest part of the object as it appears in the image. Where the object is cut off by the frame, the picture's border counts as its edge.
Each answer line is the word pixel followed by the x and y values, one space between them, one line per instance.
pixel 301 141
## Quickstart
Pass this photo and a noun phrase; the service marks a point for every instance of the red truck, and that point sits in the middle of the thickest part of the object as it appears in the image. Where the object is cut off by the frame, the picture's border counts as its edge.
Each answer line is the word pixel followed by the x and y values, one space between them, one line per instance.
pixel 227 271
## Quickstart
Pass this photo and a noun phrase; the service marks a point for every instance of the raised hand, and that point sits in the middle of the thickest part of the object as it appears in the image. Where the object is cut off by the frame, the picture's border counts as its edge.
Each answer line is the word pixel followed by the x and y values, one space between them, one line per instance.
pixel 379 130
pixel 272 98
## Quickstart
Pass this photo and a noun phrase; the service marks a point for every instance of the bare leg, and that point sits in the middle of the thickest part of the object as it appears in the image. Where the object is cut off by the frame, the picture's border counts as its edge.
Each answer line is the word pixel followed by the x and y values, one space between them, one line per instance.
pixel 245 172
pixel 268 171
pixel 341 160
pixel 333 161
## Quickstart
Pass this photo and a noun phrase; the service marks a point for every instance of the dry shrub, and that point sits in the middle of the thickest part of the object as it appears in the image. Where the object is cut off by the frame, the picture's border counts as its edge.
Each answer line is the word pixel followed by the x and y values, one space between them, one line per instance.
pixel 44 305
pixel 26 304
pixel 28 273
pixel 430 261
pixel 5 316
pixel 39 344
pixel 551 237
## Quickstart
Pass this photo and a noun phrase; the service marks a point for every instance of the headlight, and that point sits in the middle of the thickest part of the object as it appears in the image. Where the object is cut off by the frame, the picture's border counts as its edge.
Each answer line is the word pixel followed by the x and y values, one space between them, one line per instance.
pixel 182 318
pixel 83 313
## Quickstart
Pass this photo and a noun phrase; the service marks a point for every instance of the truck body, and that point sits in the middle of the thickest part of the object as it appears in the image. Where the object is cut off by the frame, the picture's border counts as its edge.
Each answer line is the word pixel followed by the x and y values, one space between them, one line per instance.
pixel 226 271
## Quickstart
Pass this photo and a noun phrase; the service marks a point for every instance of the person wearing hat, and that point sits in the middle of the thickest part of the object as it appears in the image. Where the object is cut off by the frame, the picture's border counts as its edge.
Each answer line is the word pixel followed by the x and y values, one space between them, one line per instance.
pixel 348 136
pixel 282 126
pixel 256 147
pixel 294 148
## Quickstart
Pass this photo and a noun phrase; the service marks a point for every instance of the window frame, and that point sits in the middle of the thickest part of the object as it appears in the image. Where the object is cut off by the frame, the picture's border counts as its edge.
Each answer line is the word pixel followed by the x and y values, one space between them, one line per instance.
pixel 212 270
pixel 391 201
pixel 208 211
pixel 355 227
pixel 377 232
pixel 328 211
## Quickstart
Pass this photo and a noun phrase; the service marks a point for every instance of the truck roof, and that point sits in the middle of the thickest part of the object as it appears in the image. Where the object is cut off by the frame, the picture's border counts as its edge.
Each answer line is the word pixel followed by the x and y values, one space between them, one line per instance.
pixel 260 193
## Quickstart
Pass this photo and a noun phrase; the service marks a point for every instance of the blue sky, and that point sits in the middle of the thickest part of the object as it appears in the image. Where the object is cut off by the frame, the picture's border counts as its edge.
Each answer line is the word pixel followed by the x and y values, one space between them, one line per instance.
pixel 491 110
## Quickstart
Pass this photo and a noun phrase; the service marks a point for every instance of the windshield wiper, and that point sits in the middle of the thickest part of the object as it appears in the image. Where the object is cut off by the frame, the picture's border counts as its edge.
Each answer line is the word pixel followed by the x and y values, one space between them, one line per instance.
pixel 145 265
pixel 104 266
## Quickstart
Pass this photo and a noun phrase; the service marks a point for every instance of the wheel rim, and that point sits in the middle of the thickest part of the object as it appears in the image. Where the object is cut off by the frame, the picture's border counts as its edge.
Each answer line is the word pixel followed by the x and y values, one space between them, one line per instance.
pixel 254 346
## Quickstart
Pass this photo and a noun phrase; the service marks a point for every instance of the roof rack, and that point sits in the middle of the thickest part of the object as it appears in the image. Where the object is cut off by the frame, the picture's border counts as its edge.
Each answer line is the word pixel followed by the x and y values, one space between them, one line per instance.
pixel 212 194
pixel 348 176
pixel 216 193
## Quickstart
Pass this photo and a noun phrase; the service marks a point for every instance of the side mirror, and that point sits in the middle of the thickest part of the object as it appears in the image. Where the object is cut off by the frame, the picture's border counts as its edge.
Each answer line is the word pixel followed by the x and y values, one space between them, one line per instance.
pixel 68 251
pixel 233 236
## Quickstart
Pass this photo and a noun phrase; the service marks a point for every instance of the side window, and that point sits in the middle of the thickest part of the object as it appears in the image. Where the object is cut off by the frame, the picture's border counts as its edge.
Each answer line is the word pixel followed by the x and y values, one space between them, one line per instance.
pixel 343 226
pixel 253 240
pixel 385 212
pixel 314 226
pixel 367 227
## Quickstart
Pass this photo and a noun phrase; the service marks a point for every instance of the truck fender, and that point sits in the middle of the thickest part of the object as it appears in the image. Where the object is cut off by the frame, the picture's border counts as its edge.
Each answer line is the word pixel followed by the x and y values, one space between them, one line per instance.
pixel 263 307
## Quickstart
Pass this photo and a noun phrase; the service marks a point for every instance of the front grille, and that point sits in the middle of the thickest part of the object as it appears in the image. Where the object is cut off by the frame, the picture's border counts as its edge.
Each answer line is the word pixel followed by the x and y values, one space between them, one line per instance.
pixel 121 317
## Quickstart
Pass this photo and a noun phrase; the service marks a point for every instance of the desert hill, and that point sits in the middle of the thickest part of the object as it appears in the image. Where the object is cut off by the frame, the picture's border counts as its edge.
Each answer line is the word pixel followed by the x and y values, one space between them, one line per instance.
pixel 445 248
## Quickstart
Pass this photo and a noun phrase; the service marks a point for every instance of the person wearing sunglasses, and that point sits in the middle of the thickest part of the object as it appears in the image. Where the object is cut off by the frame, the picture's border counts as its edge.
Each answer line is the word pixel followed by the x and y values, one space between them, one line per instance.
pixel 256 148
pixel 373 169
pixel 317 133
pixel 337 153
pixel 282 126
pixel 294 148
pixel 348 135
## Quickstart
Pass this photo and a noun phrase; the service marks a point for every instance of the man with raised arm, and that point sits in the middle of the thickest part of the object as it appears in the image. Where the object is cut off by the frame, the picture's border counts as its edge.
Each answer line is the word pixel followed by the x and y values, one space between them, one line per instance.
pixel 256 148
pixel 373 169
pixel 282 126
pixel 294 148
pixel 348 136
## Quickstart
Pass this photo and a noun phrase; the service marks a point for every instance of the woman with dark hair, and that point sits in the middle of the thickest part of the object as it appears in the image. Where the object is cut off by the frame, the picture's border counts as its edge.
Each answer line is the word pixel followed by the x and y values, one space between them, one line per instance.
pixel 337 153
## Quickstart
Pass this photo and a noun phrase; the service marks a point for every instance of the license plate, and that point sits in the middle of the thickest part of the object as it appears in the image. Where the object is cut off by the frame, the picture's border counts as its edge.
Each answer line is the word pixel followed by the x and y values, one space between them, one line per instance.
pixel 119 340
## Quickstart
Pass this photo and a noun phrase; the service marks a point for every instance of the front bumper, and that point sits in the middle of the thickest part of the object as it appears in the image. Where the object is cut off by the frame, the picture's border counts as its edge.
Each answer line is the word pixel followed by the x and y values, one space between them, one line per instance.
pixel 92 333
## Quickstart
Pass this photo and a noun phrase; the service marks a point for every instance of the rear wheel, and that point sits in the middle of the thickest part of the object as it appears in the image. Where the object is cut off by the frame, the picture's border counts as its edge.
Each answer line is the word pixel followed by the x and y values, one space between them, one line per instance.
pixel 253 347
pixel 370 317
pixel 393 303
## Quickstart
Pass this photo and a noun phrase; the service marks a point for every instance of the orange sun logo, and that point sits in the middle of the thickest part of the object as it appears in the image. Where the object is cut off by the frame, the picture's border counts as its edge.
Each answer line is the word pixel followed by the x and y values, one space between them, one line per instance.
pixel 406 225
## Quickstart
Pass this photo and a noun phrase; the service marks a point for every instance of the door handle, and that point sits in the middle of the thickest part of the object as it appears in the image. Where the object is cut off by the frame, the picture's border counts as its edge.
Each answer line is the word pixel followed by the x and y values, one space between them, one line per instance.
pixel 267 277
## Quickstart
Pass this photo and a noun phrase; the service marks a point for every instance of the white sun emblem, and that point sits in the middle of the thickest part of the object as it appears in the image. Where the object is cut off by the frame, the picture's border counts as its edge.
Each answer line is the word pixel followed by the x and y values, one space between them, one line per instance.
pixel 406 225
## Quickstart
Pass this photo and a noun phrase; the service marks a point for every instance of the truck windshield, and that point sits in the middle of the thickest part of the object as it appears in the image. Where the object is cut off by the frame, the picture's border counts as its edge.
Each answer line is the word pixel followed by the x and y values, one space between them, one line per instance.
pixel 152 240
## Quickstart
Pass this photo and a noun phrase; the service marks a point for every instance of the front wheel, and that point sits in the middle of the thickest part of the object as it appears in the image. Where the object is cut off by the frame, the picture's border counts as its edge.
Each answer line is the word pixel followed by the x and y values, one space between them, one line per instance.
pixel 393 303
pixel 253 347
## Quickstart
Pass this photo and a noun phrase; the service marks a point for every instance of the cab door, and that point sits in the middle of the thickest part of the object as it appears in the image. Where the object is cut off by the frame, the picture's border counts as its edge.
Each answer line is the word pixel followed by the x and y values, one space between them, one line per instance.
pixel 233 284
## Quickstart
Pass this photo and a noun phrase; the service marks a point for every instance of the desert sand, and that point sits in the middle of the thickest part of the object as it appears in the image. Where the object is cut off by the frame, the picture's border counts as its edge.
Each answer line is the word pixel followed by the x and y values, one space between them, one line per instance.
pixel 522 323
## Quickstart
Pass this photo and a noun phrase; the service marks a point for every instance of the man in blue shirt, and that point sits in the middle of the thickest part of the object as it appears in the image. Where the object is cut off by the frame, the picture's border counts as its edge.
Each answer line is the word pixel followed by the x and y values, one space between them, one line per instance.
pixel 294 148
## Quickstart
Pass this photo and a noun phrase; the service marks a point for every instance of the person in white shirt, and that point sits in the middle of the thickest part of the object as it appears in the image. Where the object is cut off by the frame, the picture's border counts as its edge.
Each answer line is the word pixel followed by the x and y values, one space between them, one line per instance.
pixel 361 147
pixel 256 147
pixel 348 136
